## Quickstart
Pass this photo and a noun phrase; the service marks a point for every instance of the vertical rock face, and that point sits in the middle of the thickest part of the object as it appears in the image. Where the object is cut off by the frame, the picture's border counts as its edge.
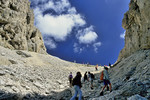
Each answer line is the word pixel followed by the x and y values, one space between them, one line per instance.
pixel 17 30
pixel 136 22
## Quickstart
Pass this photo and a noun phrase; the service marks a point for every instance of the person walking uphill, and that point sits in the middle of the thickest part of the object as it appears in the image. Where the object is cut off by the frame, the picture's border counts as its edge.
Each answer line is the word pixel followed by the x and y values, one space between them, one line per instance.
pixel 77 86
pixel 85 76
pixel 70 77
pixel 105 80
pixel 90 79
pixel 96 67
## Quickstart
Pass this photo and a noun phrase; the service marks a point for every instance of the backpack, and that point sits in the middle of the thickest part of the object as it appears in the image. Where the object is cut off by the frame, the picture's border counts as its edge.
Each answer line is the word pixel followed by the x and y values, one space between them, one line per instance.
pixel 92 76
pixel 102 75
pixel 70 76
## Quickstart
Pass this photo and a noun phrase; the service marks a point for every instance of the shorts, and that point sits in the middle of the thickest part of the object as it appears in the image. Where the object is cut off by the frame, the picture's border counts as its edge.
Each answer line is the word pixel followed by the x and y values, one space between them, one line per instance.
pixel 106 82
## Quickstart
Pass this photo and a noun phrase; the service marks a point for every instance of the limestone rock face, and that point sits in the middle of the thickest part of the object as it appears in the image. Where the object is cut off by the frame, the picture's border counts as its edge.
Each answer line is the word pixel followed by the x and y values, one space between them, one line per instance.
pixel 17 30
pixel 136 22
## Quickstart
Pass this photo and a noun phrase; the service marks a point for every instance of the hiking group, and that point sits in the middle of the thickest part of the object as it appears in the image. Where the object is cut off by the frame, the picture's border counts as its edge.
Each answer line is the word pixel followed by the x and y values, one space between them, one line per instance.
pixel 88 77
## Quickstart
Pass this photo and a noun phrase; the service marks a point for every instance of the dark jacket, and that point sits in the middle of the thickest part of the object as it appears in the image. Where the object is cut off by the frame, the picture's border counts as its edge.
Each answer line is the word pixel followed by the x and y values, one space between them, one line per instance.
pixel 77 81
pixel 85 77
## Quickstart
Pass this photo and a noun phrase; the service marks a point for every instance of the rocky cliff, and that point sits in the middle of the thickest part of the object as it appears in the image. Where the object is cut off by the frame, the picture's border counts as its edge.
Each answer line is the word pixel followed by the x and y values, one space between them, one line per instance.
pixel 136 22
pixel 28 75
pixel 17 29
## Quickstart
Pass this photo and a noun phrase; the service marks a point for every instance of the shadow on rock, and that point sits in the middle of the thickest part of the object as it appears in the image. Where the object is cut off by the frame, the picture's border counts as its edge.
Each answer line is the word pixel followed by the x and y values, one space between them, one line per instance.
pixel 64 95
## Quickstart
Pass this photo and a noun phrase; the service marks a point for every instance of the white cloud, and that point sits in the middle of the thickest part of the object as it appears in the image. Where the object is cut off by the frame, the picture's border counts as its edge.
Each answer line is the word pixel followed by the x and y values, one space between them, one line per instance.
pixel 59 23
pixel 77 49
pixel 96 45
pixel 36 2
pixel 72 10
pixel 87 36
pixel 57 27
pixel 60 26
pixel 58 6
pixel 122 35
pixel 50 43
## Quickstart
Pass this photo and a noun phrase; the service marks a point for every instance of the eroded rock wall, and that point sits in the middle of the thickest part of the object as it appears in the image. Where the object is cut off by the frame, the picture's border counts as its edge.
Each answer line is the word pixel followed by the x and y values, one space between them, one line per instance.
pixel 17 30
pixel 136 22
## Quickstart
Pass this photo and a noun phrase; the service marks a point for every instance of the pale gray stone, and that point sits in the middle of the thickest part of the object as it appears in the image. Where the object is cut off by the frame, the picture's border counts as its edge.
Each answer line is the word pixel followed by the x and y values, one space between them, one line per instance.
pixel 37 84
pixel 62 87
pixel 23 54
pixel 137 97
pixel 2 82
pixel 2 72
pixel 3 54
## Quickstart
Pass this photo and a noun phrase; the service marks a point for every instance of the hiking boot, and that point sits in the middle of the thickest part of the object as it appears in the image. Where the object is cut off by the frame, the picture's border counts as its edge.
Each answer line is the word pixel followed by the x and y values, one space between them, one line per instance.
pixel 76 98
pixel 101 94
pixel 110 90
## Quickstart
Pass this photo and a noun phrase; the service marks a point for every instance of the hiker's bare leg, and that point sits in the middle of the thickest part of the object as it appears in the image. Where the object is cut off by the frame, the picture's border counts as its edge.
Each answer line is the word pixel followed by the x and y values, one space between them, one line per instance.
pixel 103 88
pixel 91 85
pixel 110 87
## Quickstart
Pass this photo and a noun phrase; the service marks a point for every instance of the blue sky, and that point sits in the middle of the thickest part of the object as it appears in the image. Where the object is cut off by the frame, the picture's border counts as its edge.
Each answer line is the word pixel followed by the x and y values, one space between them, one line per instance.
pixel 85 31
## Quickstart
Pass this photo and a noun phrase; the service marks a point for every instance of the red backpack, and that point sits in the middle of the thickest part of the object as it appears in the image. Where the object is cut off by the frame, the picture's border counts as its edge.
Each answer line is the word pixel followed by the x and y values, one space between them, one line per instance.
pixel 102 75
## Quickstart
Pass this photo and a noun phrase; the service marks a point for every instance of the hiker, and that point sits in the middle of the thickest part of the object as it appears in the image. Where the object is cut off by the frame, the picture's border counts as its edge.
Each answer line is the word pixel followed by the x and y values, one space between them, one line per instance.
pixel 105 80
pixel 91 78
pixel 96 67
pixel 70 79
pixel 88 76
pixel 101 78
pixel 109 65
pixel 77 86
pixel 85 76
